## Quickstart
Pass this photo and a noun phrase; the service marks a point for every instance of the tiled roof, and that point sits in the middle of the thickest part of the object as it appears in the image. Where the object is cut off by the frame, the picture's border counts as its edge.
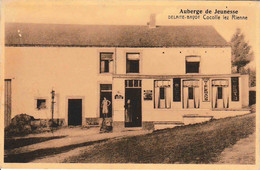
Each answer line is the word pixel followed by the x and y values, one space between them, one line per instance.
pixel 28 34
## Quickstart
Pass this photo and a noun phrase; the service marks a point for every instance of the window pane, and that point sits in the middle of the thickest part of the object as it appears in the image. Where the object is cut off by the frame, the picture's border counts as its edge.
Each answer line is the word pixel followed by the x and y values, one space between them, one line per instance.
pixel 41 103
pixel 192 67
pixel 162 94
pixel 219 92
pixel 130 83
pixel 106 66
pixel 176 89
pixel 132 66
pixel 190 92
pixel 136 83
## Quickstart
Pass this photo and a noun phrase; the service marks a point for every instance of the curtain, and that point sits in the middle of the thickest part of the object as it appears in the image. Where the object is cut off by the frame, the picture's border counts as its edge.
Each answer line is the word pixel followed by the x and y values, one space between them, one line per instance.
pixel 225 97
pixel 196 97
pixel 193 58
pixel 111 68
pixel 102 65
pixel 168 97
pixel 133 56
pixel 185 97
pixel 156 97
pixel 162 103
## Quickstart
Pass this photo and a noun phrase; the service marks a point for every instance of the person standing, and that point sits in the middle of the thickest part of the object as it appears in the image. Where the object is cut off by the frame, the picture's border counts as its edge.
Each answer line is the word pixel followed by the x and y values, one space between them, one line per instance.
pixel 105 104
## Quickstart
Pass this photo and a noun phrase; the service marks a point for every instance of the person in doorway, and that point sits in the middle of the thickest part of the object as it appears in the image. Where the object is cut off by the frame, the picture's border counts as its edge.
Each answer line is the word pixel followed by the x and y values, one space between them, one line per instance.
pixel 128 116
pixel 105 104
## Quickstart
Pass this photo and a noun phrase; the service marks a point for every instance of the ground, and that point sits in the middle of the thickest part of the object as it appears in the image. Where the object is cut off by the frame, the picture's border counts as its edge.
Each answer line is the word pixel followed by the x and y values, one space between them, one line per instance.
pixel 229 140
pixel 243 152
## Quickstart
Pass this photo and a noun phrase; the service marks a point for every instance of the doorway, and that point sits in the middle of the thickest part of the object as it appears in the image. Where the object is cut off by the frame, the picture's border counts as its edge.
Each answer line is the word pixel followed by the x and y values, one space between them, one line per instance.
pixel 74 112
pixel 133 104
pixel 106 92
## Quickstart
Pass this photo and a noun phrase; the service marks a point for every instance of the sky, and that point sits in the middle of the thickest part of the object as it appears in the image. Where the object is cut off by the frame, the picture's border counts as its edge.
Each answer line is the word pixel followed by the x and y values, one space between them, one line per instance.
pixel 133 13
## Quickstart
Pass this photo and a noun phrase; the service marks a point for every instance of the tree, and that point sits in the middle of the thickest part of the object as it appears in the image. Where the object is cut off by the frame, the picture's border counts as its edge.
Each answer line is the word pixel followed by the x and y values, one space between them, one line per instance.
pixel 252 78
pixel 241 51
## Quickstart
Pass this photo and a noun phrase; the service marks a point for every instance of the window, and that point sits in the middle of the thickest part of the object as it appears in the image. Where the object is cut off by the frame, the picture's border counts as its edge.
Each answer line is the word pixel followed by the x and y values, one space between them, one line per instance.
pixel 191 93
pixel 192 64
pixel 162 93
pixel 176 89
pixel 106 62
pixel 162 96
pixel 235 88
pixel 132 62
pixel 41 104
pixel 192 67
pixel 133 83
pixel 220 92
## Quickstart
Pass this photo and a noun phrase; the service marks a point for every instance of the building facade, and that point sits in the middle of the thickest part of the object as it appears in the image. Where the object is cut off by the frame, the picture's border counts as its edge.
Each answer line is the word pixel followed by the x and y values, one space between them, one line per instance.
pixel 153 76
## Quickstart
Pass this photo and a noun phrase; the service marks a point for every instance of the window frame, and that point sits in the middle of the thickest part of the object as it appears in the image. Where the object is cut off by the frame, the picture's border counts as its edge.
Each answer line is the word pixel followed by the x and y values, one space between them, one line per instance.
pixel 193 59
pixel 165 95
pixel 36 103
pixel 139 62
pixel 113 60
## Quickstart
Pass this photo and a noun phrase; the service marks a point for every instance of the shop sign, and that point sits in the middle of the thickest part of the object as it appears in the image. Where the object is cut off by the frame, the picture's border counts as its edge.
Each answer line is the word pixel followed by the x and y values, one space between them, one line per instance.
pixel 148 94
pixel 119 95
pixel 205 90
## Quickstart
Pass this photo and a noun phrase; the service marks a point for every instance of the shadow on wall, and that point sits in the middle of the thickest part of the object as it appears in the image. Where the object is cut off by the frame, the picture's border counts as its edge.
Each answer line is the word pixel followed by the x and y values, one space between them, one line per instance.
pixel 252 96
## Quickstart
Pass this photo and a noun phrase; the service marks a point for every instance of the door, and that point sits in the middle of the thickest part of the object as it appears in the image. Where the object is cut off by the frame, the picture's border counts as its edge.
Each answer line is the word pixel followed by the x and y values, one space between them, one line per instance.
pixel 133 115
pixel 7 102
pixel 74 112
pixel 106 92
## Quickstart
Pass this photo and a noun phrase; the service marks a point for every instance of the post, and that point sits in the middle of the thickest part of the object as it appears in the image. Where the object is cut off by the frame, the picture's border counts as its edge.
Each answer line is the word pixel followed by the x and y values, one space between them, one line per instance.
pixel 52 105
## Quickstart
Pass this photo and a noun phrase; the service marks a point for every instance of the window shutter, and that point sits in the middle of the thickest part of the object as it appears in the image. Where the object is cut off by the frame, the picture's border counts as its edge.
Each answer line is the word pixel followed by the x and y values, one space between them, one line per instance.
pixel 106 56
pixel 193 58
pixel 133 56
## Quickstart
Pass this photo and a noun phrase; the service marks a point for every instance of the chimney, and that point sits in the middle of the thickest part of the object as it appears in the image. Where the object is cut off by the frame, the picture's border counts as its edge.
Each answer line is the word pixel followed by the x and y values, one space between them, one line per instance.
pixel 152 23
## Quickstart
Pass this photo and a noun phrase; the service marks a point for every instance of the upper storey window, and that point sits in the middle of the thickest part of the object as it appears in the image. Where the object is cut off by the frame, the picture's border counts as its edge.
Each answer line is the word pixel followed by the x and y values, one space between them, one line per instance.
pixel 192 64
pixel 106 62
pixel 132 62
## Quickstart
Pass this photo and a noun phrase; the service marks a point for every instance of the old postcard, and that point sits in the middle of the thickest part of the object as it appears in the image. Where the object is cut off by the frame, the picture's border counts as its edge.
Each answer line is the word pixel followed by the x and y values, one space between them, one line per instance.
pixel 120 84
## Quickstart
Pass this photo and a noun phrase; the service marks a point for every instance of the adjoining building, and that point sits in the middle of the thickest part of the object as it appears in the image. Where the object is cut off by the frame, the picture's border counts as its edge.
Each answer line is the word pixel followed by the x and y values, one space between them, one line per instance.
pixel 154 76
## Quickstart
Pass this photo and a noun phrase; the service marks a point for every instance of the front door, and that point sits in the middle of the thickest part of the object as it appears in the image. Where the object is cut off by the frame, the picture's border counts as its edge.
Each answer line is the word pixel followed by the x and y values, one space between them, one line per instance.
pixel 133 108
pixel 74 112
pixel 105 93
